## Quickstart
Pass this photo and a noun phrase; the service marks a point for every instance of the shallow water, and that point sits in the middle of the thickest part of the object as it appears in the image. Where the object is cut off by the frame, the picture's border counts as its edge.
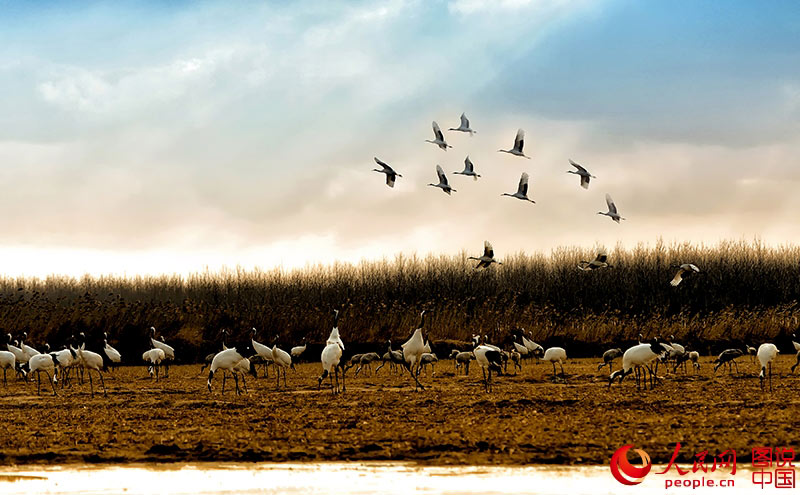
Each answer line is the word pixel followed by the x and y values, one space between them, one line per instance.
pixel 327 478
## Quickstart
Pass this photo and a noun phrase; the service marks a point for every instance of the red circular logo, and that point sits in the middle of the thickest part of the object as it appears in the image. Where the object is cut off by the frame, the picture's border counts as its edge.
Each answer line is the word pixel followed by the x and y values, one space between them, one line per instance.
pixel 624 471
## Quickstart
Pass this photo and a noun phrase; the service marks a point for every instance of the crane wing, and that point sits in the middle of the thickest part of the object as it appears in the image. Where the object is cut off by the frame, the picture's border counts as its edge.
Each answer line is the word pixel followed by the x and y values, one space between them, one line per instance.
pixel 519 141
pixel 612 208
pixel 523 184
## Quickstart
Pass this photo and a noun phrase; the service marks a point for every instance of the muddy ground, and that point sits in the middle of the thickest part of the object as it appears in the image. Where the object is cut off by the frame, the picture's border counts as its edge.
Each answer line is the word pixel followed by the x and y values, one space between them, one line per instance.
pixel 528 418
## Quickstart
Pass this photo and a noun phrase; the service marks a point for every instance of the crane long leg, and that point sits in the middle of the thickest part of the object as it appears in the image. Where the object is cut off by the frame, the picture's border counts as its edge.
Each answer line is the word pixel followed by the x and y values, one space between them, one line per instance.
pixel 91 385
pixel 51 381
pixel 418 384
pixel 770 376
pixel 652 382
pixel 103 383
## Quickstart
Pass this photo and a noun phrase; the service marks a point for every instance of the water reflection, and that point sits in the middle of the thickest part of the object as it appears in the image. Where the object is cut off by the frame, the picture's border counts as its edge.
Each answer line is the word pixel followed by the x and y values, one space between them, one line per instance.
pixel 322 478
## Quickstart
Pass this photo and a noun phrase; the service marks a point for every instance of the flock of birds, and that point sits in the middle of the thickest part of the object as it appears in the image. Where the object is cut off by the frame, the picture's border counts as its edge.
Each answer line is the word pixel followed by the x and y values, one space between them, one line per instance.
pixel 469 168
pixel 414 355
pixel 522 193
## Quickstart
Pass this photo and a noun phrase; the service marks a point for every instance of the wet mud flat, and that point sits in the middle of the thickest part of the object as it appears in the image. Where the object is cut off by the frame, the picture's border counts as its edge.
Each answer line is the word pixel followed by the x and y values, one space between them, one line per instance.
pixel 528 418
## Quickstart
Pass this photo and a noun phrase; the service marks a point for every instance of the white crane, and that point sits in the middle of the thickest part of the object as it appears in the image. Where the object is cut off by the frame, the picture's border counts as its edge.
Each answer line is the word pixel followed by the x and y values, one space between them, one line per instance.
pixel 519 142
pixel 8 361
pixel 634 359
pixel 521 349
pixel 332 357
pixel 46 363
pixel 391 175
pixel 612 210
pixel 438 138
pixel 154 357
pixel 298 350
pixel 262 350
pixel 91 361
pixel 490 359
pixel 210 357
pixel 67 360
pixel 766 354
pixel 334 338
pixel 243 367
pixel 600 261
pixel 797 350
pixel 583 173
pixel 487 259
pixel 464 126
pixel 556 355
pixel 28 350
pixel 113 355
pixel 443 185
pixel 228 360
pixel 19 355
pixel 679 349
pixel 169 352
pixel 282 359
pixel 413 349
pixel 637 357
pixel 694 357
pixel 469 169
pixel 683 271
pixel 522 189
pixel 534 348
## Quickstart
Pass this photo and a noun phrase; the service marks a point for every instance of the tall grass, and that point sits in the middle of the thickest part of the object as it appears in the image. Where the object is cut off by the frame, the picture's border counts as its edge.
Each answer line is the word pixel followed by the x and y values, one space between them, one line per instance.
pixel 747 292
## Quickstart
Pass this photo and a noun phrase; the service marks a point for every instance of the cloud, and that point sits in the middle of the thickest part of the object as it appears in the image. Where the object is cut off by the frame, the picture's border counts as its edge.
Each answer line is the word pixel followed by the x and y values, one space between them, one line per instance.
pixel 469 7
pixel 120 92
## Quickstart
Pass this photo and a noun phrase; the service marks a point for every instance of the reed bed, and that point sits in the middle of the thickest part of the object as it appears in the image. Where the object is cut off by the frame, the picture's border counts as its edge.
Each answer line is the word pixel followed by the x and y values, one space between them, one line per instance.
pixel 746 292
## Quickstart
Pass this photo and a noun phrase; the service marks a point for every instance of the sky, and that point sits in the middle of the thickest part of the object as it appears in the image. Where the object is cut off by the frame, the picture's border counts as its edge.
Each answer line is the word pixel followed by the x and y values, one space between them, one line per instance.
pixel 173 137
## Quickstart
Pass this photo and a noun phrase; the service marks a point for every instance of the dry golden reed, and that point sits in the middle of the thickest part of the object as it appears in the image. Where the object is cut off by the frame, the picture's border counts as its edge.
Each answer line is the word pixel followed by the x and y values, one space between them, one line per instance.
pixel 746 292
